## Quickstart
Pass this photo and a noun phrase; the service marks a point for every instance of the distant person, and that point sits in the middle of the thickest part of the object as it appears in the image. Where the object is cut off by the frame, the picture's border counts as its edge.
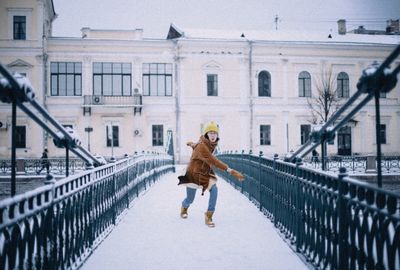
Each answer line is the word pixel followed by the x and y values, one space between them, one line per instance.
pixel 315 155
pixel 44 161
pixel 199 174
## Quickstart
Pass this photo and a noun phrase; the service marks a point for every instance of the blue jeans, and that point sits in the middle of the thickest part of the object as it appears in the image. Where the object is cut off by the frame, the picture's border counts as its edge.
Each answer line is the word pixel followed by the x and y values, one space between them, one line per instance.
pixel 212 201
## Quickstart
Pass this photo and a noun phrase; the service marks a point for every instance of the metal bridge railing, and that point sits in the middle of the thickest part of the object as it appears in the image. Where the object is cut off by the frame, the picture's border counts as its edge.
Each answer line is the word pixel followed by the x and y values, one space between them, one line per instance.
pixel 334 221
pixel 58 225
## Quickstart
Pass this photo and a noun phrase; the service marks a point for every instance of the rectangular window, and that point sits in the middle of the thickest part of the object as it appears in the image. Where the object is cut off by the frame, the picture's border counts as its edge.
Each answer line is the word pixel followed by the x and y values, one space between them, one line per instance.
pixel 157 79
pixel 20 132
pixel 265 135
pixel 382 131
pixel 304 133
pixel 66 78
pixel 19 27
pixel 212 85
pixel 158 135
pixel 112 79
pixel 112 132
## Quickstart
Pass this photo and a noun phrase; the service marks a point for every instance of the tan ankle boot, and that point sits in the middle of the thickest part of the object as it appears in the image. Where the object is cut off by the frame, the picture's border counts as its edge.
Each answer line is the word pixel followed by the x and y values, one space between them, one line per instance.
pixel 208 219
pixel 184 213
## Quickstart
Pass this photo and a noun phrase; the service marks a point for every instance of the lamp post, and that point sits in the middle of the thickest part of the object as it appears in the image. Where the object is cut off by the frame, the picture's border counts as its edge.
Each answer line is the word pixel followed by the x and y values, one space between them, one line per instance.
pixel 88 130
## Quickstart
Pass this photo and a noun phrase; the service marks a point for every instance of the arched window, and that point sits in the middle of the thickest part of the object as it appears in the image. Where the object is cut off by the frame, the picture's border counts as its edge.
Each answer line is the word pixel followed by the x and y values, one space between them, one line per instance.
pixel 304 84
pixel 343 85
pixel 264 84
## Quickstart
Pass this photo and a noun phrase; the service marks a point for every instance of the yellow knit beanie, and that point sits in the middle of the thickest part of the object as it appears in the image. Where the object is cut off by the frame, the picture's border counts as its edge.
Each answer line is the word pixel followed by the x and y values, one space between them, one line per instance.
pixel 211 126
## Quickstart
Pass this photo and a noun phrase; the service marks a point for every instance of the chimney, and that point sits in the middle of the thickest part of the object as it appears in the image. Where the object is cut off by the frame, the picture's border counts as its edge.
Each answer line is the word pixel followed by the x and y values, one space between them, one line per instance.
pixel 341 26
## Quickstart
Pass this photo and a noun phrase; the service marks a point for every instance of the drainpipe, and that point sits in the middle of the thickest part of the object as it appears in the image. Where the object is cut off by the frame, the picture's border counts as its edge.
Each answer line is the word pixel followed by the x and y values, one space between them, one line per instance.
pixel 45 71
pixel 251 90
pixel 177 101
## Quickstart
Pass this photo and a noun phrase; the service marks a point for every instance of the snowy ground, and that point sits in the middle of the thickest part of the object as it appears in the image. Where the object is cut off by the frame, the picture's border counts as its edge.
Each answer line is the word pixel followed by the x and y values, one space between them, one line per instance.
pixel 153 236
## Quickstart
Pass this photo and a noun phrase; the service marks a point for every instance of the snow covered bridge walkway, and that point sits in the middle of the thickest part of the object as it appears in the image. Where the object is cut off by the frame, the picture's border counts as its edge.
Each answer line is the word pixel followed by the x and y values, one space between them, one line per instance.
pixel 153 236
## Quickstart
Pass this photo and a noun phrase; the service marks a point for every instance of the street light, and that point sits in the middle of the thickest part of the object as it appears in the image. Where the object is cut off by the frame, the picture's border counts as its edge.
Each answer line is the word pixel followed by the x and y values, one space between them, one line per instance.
pixel 88 130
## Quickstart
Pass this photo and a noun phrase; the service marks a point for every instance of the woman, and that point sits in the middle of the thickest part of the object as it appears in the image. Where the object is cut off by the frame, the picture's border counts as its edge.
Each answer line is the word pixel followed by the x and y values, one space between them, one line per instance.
pixel 199 173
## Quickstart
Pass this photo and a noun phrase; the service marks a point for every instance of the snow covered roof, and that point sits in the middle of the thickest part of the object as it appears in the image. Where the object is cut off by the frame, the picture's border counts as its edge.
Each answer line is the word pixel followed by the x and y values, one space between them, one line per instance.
pixel 280 35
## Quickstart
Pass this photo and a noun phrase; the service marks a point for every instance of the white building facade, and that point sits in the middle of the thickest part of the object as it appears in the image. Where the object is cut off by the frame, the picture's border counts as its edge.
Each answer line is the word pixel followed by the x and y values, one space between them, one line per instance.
pixel 255 85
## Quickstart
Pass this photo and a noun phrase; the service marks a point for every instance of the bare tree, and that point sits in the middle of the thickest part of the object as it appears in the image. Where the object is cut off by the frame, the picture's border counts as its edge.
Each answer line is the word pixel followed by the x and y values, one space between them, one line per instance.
pixel 326 101
pixel 324 104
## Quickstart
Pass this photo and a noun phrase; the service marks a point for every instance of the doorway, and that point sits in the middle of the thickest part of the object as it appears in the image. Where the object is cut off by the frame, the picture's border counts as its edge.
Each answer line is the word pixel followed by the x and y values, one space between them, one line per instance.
pixel 344 141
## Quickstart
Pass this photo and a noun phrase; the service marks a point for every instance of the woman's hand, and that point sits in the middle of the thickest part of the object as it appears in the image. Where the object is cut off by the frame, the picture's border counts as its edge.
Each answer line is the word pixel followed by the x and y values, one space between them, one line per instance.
pixel 235 174
pixel 190 143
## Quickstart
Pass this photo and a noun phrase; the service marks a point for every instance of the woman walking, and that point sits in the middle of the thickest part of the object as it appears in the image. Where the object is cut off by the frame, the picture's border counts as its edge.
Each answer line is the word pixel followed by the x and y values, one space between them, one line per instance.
pixel 199 173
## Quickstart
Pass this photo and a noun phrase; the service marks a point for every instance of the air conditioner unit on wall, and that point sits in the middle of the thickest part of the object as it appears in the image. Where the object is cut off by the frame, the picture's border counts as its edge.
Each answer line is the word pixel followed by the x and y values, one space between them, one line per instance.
pixel 3 124
pixel 137 132
pixel 97 100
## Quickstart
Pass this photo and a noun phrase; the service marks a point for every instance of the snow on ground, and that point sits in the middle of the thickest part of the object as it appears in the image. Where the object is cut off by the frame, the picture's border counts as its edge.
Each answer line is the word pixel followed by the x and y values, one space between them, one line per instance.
pixel 153 236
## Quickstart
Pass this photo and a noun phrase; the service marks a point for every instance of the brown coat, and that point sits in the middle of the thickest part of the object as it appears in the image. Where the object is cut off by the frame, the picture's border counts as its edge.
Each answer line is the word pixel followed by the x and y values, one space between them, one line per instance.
pixel 199 171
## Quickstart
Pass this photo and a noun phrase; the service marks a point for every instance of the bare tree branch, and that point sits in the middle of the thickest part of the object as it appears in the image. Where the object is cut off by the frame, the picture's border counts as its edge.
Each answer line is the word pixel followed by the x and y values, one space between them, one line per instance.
pixel 326 102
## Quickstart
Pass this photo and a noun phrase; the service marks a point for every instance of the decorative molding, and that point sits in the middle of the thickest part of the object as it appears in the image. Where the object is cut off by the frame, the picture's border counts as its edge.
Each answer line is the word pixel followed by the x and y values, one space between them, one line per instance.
pixel 19 64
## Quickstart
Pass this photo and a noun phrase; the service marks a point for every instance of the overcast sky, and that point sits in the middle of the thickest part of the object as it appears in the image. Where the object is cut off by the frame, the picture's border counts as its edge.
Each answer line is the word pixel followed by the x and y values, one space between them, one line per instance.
pixel 155 16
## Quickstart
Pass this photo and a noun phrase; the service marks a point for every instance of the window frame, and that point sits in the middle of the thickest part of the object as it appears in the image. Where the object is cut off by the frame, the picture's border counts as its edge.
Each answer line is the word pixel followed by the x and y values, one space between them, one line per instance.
pixel 304 84
pixel 157 79
pixel 262 92
pixel 157 140
pixel 27 12
pixel 110 74
pixel 56 74
pixel 343 85
pixel 212 84
pixel 265 135
pixel 18 26
pixel 115 136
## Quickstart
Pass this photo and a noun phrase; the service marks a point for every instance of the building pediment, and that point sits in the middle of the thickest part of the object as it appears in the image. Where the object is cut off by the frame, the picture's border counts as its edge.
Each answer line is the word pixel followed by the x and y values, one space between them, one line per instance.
pixel 19 65
pixel 212 65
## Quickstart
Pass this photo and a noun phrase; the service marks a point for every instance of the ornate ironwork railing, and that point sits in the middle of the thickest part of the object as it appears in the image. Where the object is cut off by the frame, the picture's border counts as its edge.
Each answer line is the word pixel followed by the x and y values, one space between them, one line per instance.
pixel 336 222
pixel 31 166
pixel 389 164
pixel 57 226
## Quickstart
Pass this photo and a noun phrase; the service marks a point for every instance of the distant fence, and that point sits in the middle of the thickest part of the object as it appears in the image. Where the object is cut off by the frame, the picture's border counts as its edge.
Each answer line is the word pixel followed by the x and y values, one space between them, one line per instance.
pixel 30 166
pixel 355 164
pixel 57 226
pixel 336 222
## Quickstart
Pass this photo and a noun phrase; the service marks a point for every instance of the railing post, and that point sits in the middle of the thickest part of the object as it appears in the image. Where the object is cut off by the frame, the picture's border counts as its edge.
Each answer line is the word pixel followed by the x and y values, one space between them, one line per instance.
pixel 274 191
pixel 13 146
pixel 378 138
pixel 343 228
pixel 66 161
pixel 323 154
pixel 250 172
pixel 299 205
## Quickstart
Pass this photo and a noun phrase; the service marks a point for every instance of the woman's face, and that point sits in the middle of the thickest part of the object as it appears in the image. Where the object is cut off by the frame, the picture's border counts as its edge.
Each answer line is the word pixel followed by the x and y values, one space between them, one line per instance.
pixel 212 136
